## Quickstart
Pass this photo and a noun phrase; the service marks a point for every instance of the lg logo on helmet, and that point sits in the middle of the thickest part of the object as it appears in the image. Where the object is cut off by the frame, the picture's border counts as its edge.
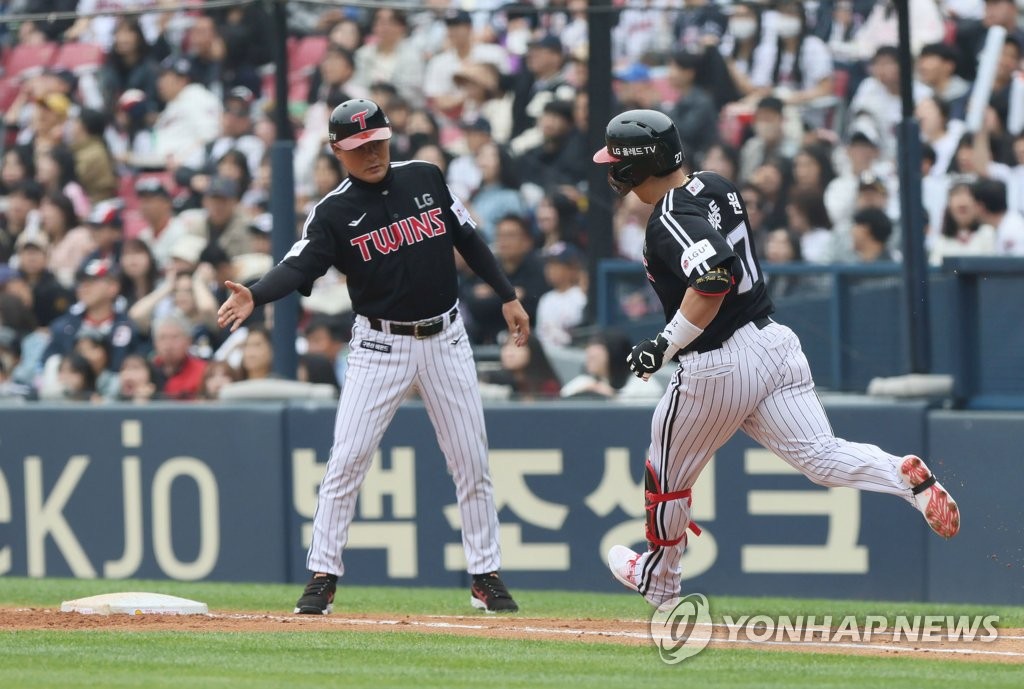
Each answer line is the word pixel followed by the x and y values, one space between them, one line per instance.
pixel 360 117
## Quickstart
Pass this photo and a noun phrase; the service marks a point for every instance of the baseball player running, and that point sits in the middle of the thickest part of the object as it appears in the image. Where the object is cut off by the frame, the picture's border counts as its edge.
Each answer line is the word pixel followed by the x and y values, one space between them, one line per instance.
pixel 390 228
pixel 738 369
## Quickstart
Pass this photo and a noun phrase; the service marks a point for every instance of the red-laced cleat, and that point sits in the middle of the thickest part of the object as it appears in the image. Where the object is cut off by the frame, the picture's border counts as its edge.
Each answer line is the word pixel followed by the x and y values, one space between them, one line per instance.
pixel 936 504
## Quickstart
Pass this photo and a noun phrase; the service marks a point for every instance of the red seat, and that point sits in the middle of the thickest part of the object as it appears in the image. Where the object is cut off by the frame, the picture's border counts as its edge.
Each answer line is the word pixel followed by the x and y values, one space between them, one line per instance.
pixel 79 57
pixel 24 60
pixel 133 223
pixel 126 191
pixel 306 53
pixel 298 89
pixel 840 83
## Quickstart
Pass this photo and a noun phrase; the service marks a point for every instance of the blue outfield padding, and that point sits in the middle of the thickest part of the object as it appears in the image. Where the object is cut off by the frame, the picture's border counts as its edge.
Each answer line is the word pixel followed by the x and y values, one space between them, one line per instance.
pixel 228 493
pixel 978 458
pixel 158 491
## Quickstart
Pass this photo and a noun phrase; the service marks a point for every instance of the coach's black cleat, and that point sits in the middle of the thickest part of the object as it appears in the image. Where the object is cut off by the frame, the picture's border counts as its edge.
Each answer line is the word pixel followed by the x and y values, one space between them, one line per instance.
pixel 318 598
pixel 491 595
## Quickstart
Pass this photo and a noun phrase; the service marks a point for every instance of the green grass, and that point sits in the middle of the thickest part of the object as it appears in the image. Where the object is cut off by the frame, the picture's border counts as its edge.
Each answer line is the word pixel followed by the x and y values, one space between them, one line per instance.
pixel 434 601
pixel 42 659
pixel 102 659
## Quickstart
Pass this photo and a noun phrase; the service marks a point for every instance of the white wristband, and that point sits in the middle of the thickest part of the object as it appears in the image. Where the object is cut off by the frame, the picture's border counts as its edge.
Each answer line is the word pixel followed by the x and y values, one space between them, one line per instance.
pixel 680 333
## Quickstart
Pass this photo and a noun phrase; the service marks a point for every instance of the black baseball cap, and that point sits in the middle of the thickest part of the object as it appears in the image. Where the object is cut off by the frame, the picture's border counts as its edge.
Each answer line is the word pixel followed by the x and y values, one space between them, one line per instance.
pixel 181 66
pixel 563 252
pixel 548 41
pixel 943 51
pixel 476 124
pixel 151 186
pixel 454 17
pixel 771 103
pixel 562 108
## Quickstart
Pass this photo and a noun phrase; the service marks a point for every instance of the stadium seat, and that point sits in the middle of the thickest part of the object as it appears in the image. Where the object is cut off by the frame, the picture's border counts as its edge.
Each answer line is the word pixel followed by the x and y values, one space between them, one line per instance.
pixel 133 223
pixel 126 192
pixel 305 54
pixel 79 57
pixel 841 84
pixel 298 89
pixel 28 60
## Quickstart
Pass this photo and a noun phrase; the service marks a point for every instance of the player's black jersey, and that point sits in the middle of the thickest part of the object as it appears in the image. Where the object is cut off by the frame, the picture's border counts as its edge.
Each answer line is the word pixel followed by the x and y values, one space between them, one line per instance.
pixel 694 228
pixel 393 241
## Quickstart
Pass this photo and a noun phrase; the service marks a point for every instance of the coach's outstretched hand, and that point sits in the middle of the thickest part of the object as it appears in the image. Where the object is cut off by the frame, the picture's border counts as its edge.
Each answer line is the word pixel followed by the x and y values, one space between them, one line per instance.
pixel 517 320
pixel 237 308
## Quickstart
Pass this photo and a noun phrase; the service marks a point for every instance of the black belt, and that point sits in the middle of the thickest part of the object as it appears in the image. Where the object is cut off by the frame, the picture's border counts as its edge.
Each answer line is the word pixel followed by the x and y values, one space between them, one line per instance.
pixel 759 323
pixel 420 330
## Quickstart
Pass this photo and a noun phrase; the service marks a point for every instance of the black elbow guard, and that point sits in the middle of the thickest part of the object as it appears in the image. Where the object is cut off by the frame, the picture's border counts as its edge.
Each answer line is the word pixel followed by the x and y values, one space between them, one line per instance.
pixel 718 280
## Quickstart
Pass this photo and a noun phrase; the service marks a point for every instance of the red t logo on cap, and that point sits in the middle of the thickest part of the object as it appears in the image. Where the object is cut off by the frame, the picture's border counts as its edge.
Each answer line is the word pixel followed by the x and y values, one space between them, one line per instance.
pixel 360 117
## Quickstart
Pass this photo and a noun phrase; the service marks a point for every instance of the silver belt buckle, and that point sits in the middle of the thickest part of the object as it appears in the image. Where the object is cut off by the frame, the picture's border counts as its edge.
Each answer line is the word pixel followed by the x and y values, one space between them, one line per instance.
pixel 416 329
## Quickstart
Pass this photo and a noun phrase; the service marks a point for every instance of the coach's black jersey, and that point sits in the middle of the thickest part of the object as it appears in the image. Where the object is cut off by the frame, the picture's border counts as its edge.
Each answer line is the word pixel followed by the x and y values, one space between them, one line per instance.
pixel 393 241
pixel 694 228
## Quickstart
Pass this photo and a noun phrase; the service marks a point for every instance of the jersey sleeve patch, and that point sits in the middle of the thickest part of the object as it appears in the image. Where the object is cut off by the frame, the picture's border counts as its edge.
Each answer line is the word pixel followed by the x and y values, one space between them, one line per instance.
pixel 461 212
pixel 718 280
pixel 699 253
pixel 695 186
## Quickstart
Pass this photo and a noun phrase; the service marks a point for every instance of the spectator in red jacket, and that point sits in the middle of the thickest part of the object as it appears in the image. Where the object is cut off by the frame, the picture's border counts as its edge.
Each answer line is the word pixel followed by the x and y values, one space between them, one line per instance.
pixel 183 372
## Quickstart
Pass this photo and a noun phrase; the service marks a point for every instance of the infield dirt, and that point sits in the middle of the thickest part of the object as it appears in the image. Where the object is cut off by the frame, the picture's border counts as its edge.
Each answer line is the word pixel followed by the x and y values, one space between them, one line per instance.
pixel 1008 648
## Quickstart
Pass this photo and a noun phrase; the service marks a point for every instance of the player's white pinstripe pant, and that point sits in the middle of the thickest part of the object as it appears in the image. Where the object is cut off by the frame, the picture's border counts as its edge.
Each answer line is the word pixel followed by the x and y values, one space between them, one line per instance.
pixel 376 382
pixel 758 382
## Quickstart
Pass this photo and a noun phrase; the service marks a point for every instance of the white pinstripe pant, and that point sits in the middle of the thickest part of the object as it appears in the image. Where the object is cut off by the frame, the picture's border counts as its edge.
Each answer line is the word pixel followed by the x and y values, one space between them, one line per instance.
pixel 758 382
pixel 376 382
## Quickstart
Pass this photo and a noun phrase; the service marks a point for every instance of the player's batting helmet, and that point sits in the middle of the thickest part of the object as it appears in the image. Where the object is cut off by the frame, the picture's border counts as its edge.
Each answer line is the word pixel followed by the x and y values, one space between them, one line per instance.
pixel 639 143
pixel 355 122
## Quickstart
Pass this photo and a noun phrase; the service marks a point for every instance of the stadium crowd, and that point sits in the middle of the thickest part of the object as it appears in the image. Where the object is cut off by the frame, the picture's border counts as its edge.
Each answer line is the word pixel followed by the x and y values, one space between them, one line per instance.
pixel 135 176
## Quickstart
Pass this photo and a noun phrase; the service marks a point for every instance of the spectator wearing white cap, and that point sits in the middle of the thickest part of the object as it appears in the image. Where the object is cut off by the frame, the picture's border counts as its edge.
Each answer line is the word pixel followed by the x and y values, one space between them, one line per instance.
pixel 106 225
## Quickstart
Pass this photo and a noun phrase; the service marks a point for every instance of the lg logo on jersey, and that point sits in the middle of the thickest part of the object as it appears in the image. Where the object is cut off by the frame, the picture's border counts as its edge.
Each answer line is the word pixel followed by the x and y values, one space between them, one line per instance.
pixel 425 201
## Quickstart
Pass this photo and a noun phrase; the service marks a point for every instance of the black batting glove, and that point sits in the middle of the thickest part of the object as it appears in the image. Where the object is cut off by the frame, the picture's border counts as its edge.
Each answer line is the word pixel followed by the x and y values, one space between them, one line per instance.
pixel 647 356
